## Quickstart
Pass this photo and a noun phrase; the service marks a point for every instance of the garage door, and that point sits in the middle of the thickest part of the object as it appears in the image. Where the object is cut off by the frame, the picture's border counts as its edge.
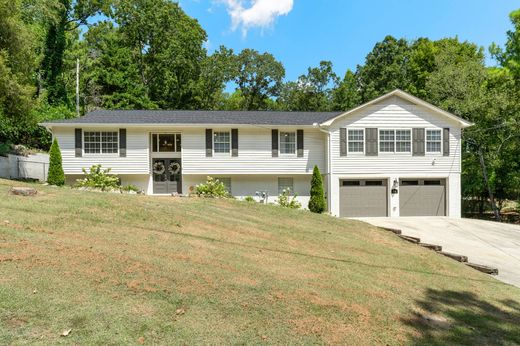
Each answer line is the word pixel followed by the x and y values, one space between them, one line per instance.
pixel 422 197
pixel 363 198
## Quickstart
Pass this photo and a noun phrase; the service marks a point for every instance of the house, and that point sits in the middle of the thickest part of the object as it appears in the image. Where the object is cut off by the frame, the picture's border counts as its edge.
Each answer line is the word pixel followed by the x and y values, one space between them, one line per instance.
pixel 394 156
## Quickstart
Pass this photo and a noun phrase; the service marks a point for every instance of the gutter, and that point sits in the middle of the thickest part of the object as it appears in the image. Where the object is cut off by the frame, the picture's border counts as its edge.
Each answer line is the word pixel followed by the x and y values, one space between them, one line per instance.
pixel 329 163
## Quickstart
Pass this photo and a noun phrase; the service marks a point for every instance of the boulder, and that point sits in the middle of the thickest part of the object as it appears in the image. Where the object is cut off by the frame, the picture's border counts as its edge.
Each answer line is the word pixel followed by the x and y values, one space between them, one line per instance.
pixel 23 191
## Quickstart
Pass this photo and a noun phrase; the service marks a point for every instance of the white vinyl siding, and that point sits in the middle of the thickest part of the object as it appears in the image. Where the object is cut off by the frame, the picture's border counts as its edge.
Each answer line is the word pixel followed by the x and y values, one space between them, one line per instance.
pixel 137 160
pixel 355 140
pixel 286 184
pixel 221 142
pixel 433 141
pixel 255 154
pixel 287 142
pixel 100 142
pixel 392 114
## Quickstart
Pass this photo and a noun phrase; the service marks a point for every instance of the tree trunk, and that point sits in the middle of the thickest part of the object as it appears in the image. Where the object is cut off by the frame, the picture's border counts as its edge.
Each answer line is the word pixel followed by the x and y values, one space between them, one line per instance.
pixel 486 180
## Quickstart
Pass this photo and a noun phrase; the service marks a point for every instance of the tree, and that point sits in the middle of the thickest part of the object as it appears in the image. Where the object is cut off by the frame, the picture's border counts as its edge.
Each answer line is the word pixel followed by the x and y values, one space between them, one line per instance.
pixel 311 92
pixel 385 69
pixel 346 96
pixel 317 202
pixel 259 77
pixel 55 175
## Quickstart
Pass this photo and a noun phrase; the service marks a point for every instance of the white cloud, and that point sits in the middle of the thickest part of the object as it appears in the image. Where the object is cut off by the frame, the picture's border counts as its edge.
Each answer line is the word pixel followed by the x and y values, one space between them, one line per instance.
pixel 259 13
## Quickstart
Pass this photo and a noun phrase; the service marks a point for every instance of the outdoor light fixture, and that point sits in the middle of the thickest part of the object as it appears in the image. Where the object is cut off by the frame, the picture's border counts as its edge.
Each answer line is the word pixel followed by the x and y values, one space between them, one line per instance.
pixel 395 185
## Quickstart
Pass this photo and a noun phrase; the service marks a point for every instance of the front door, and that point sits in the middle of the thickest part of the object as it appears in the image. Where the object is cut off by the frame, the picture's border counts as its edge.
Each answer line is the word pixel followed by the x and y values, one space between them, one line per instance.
pixel 167 176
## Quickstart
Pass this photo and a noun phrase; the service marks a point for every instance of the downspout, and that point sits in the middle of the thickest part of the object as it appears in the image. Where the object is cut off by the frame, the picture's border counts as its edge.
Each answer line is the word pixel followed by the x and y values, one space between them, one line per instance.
pixel 329 165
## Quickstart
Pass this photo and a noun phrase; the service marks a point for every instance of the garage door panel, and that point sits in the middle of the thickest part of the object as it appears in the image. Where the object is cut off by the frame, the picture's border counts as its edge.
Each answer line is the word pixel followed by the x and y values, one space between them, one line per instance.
pixel 422 200
pixel 358 201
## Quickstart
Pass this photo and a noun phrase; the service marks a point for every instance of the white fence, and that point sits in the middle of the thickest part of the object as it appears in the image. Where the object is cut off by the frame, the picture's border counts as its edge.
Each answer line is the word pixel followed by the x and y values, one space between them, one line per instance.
pixel 25 167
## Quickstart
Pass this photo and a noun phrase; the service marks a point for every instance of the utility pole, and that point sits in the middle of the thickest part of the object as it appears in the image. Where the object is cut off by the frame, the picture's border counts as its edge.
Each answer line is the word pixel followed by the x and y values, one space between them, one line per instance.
pixel 77 87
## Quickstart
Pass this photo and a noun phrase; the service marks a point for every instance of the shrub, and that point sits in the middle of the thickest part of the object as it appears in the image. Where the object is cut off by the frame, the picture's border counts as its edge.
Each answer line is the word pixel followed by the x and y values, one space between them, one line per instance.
pixel 211 188
pixel 286 201
pixel 249 199
pixel 317 202
pixel 99 178
pixel 130 188
pixel 55 175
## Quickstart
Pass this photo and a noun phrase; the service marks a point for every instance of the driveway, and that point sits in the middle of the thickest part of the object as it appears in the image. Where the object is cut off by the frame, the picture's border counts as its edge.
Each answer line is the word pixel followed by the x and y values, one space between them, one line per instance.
pixel 489 243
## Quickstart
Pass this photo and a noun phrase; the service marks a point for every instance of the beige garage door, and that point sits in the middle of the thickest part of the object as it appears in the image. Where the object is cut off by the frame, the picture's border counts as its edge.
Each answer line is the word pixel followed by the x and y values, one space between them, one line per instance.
pixel 363 198
pixel 422 197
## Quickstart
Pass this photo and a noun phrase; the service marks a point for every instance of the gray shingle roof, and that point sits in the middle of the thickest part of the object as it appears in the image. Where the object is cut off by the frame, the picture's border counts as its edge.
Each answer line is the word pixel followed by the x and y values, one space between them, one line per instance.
pixel 199 117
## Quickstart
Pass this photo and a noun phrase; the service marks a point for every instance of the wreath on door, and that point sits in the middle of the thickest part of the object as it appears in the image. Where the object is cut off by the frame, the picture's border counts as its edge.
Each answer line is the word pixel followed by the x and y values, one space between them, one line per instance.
pixel 158 167
pixel 174 168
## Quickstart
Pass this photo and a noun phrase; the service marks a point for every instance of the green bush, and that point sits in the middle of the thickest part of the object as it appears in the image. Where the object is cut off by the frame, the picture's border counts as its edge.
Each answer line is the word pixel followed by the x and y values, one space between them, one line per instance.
pixel 55 175
pixel 317 202
pixel 249 199
pixel 286 201
pixel 212 188
pixel 130 188
pixel 98 178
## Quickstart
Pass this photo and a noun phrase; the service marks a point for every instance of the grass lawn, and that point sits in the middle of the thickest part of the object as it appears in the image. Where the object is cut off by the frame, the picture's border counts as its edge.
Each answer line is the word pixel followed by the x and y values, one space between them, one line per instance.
pixel 128 269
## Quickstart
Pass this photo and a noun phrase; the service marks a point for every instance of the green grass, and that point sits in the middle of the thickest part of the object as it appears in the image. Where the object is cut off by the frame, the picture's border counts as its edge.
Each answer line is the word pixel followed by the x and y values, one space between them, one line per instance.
pixel 125 269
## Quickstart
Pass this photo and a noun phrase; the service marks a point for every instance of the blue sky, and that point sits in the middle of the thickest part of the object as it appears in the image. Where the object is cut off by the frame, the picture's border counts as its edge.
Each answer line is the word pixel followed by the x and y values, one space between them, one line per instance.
pixel 301 33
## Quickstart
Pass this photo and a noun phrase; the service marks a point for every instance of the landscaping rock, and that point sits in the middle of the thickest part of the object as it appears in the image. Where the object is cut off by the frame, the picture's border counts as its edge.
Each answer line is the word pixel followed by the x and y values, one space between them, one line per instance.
pixel 23 191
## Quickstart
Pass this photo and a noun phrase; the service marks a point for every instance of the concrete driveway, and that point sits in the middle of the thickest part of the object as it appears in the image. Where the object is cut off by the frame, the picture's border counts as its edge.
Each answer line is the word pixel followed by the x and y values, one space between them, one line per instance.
pixel 489 243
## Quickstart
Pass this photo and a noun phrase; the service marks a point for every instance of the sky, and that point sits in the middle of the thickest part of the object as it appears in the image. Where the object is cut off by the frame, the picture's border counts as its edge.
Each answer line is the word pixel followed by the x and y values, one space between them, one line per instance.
pixel 301 33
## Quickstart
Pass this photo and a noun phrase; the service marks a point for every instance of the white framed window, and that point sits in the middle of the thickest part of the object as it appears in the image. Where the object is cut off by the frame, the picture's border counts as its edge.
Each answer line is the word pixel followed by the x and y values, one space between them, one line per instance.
pixel 226 182
pixel 395 141
pixel 286 184
pixel 166 142
pixel 101 142
pixel 221 141
pixel 433 141
pixel 356 140
pixel 387 141
pixel 403 141
pixel 287 142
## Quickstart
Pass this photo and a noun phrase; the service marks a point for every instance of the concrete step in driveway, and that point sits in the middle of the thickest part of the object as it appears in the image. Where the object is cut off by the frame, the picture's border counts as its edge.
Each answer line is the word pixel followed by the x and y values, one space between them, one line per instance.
pixel 492 244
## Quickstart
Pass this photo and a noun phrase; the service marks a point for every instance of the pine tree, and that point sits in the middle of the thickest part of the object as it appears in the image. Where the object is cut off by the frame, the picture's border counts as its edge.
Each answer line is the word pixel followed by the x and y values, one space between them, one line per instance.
pixel 56 175
pixel 317 202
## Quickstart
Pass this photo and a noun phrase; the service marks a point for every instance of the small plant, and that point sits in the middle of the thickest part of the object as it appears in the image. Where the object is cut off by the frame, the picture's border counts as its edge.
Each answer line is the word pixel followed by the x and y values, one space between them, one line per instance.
pixel 286 201
pixel 317 202
pixel 249 199
pixel 98 178
pixel 130 188
pixel 5 148
pixel 212 188
pixel 55 175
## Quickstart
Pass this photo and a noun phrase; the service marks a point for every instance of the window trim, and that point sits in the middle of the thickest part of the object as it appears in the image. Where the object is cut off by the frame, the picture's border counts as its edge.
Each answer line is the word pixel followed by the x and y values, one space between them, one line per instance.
pixel 291 192
pixel 174 144
pixel 280 143
pixel 440 152
pixel 407 153
pixel 363 141
pixel 84 131
pixel 228 153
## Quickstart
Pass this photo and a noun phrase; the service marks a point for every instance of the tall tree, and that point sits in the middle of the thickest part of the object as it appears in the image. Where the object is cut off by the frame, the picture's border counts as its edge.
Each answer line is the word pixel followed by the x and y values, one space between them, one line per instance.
pixel 385 68
pixel 346 95
pixel 259 77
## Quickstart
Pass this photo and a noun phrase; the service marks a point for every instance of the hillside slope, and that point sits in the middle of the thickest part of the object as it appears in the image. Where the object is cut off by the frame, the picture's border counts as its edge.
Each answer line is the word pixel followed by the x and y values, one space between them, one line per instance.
pixel 134 269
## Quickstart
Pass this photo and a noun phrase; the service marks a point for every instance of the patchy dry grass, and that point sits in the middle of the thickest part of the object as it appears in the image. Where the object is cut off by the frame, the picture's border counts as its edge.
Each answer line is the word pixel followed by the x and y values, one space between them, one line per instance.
pixel 133 269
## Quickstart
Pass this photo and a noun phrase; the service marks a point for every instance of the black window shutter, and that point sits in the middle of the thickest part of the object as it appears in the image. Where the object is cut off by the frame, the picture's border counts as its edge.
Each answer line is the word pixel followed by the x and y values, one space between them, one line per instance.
pixel 371 142
pixel 234 142
pixel 418 142
pixel 122 142
pixel 446 142
pixel 299 143
pixel 78 140
pixel 209 142
pixel 274 142
pixel 342 141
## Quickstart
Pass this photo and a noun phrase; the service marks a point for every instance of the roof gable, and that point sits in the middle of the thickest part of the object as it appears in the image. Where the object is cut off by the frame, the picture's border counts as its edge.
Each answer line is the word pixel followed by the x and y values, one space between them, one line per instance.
pixel 408 98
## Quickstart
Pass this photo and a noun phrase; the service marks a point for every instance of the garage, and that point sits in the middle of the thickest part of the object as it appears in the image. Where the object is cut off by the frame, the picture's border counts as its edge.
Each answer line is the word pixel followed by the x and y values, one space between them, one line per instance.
pixel 363 197
pixel 422 197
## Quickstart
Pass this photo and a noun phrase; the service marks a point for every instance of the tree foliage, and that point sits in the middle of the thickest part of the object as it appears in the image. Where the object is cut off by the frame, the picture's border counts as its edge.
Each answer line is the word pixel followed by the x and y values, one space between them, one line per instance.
pixel 55 175
pixel 317 202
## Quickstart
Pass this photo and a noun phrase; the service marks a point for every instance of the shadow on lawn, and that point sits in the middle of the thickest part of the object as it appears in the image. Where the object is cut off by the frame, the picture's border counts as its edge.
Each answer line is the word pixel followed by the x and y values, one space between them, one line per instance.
pixel 452 317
